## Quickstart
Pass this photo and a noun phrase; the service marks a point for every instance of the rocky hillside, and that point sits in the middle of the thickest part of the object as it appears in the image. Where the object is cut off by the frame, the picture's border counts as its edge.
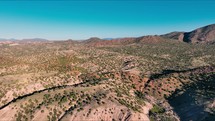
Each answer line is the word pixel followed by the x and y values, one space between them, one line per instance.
pixel 126 41
pixel 201 35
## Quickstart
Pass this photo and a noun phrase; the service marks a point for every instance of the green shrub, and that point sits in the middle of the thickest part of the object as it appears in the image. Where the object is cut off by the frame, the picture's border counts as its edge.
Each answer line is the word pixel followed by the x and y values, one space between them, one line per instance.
pixel 157 110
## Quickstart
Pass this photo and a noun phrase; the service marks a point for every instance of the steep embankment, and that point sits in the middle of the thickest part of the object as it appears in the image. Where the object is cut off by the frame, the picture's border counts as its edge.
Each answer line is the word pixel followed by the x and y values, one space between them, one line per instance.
pixel 189 92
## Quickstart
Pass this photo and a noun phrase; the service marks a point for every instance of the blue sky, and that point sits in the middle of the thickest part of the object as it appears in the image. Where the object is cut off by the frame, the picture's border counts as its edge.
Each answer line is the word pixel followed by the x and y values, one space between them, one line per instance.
pixel 89 18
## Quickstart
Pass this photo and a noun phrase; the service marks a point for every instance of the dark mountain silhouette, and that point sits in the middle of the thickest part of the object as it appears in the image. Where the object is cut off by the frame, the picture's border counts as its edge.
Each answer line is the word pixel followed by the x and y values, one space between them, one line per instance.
pixel 34 39
pixel 12 39
pixel 25 40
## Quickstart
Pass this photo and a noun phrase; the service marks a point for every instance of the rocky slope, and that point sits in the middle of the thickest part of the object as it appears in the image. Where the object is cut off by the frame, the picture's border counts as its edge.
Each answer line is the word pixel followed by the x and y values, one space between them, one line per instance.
pixel 152 39
pixel 201 35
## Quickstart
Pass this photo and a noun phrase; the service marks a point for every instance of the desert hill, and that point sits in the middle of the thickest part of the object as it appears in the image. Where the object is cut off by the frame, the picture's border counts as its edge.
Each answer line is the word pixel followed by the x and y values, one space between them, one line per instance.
pixel 201 35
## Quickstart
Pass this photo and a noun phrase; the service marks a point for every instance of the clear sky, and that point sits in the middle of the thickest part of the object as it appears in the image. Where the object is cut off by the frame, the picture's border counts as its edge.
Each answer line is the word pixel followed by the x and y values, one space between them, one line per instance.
pixel 105 18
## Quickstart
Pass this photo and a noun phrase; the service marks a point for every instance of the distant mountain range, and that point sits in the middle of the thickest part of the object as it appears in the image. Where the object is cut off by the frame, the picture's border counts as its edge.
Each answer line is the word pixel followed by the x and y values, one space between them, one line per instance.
pixel 3 39
pixel 30 39
pixel 204 34
pixel 35 39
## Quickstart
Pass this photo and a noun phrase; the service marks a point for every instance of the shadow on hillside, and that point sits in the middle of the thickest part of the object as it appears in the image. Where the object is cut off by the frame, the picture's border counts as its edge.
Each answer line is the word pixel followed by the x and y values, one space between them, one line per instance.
pixel 190 104
pixel 163 73
pixel 167 72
